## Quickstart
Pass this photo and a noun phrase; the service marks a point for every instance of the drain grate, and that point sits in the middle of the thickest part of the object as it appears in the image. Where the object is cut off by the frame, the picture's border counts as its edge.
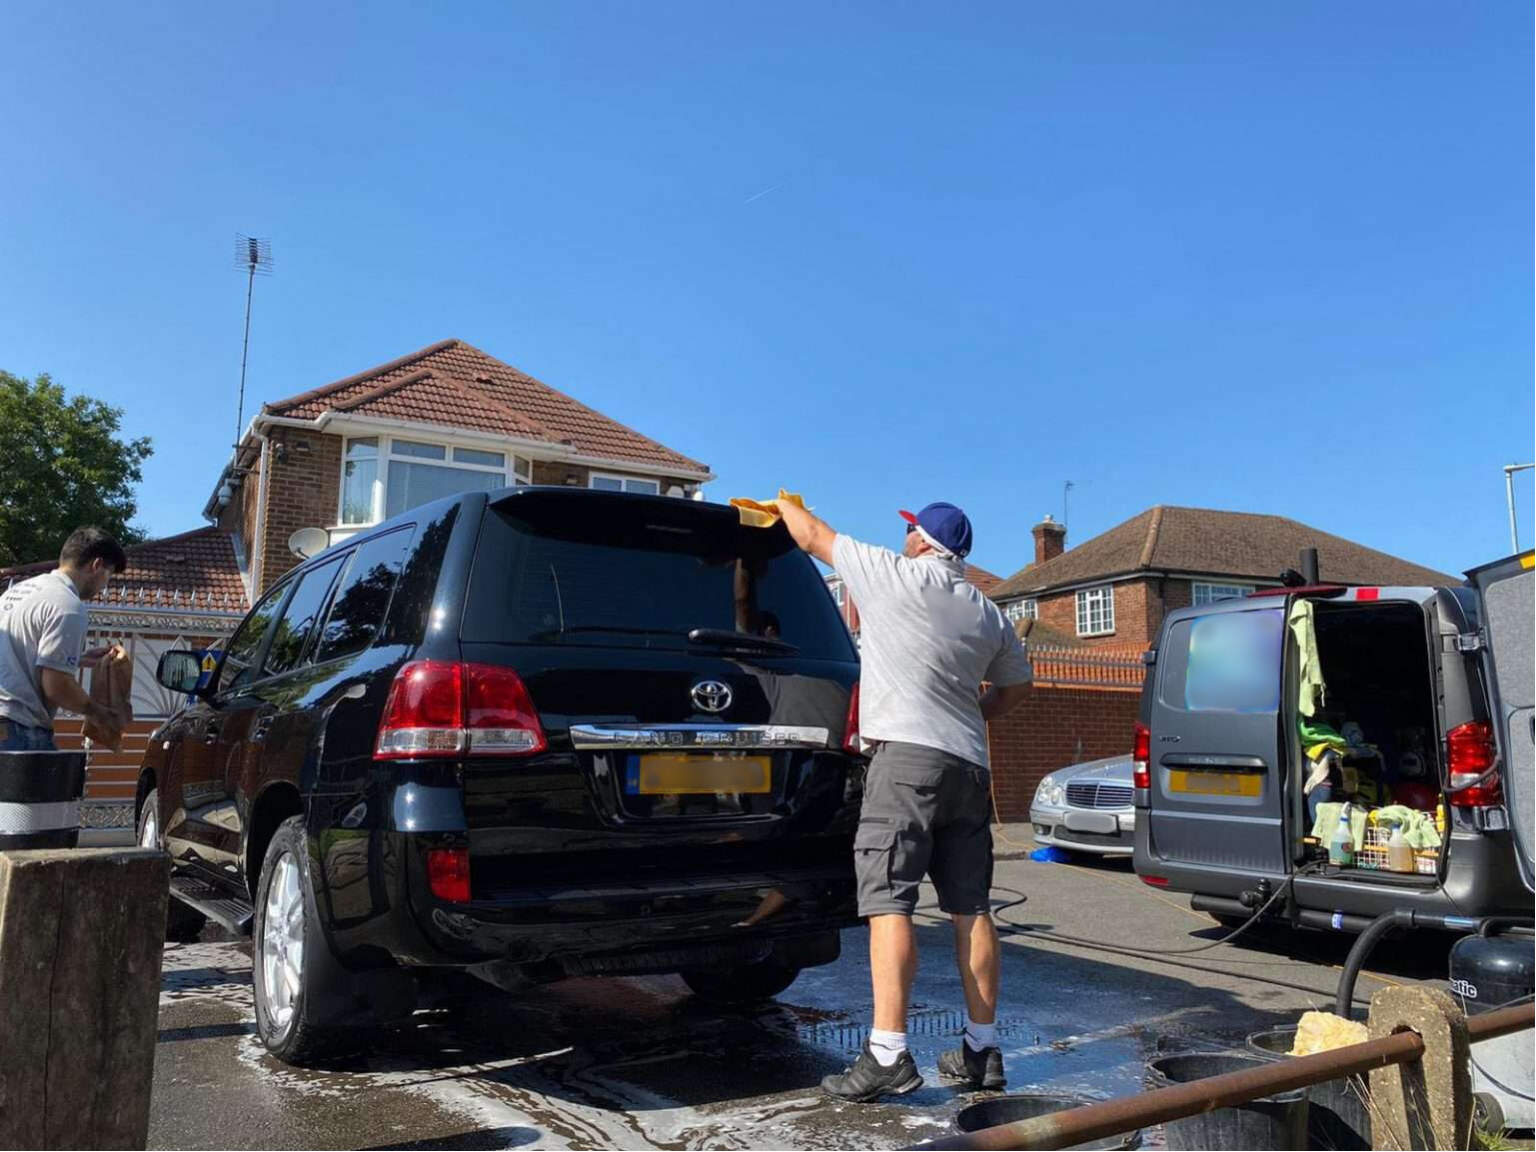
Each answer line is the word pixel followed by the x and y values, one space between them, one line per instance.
pixel 925 1023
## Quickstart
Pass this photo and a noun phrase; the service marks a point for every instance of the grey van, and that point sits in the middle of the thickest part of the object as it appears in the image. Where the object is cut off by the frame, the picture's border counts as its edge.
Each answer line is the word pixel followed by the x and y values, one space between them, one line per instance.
pixel 1439 680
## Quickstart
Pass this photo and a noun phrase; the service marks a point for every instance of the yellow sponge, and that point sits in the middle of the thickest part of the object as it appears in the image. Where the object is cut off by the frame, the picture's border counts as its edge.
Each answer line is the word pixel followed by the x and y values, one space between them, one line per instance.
pixel 1323 1032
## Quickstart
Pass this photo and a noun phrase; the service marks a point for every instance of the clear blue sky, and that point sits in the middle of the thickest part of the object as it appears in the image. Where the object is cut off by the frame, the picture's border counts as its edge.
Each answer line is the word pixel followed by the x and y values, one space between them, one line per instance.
pixel 1268 257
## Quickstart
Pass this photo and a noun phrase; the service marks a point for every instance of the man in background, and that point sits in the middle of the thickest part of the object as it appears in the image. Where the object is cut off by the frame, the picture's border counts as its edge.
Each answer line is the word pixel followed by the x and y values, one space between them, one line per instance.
pixel 43 624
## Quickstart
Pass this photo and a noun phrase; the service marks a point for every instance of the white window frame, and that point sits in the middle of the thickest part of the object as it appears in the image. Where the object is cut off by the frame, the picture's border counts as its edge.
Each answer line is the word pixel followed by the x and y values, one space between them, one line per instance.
pixel 626 481
pixel 1102 596
pixel 1026 609
pixel 517 470
pixel 1203 592
pixel 839 592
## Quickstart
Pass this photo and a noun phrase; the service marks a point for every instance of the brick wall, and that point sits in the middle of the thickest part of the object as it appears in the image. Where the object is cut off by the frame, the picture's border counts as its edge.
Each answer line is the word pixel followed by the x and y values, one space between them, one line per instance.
pixel 302 492
pixel 554 472
pixel 1053 728
pixel 1138 612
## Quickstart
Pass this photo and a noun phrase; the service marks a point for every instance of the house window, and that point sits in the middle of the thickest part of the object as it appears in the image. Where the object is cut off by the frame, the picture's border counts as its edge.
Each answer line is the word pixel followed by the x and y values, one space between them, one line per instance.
pixel 377 483
pixel 1017 610
pixel 359 478
pixel 609 483
pixel 838 594
pixel 1210 593
pixel 1096 611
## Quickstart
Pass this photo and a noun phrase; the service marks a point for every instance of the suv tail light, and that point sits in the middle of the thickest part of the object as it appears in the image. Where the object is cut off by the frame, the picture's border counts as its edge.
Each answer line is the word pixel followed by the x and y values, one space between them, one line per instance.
pixel 1470 754
pixel 1141 757
pixel 448 873
pixel 452 708
pixel 851 729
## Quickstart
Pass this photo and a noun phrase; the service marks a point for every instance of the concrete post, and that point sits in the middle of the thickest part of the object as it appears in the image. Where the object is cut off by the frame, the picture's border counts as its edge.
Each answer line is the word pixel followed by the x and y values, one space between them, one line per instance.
pixel 1426 1104
pixel 81 933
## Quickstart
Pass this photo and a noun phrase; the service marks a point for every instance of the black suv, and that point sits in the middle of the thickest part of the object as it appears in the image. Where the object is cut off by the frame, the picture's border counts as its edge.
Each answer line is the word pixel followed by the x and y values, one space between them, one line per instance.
pixel 527 734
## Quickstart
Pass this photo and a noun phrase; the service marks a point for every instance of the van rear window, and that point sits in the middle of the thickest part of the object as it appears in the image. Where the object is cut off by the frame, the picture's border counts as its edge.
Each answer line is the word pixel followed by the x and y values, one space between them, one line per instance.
pixel 551 569
pixel 1225 662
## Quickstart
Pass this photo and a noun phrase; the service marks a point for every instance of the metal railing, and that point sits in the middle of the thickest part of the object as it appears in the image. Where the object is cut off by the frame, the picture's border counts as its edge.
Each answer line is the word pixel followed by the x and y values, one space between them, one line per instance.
pixel 1111 666
pixel 1128 1113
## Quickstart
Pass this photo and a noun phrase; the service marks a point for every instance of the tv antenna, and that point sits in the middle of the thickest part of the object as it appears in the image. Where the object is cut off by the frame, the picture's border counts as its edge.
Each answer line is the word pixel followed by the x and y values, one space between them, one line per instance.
pixel 254 255
pixel 1066 490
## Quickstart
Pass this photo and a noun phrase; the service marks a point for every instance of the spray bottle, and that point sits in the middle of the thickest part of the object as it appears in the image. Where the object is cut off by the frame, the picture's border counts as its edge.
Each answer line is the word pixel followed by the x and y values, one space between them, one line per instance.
pixel 1341 845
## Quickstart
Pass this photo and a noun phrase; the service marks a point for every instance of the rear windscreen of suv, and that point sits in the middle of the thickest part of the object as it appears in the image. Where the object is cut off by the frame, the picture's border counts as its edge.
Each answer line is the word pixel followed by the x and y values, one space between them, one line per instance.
pixel 553 568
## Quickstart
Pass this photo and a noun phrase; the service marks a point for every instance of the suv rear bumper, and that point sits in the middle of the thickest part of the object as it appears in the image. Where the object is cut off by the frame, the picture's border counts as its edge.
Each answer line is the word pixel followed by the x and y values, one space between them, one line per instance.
pixel 569 923
pixel 374 895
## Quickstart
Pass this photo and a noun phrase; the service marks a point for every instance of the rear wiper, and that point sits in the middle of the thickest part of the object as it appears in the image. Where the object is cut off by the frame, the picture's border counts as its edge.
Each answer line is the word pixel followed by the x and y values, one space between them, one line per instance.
pixel 723 638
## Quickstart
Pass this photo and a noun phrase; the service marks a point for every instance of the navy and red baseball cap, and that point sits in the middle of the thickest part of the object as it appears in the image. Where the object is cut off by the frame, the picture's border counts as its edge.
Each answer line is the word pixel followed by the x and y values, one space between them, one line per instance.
pixel 945 526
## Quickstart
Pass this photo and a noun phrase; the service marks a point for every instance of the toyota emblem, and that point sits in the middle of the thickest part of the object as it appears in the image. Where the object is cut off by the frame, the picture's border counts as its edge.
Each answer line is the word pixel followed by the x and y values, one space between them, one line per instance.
pixel 711 696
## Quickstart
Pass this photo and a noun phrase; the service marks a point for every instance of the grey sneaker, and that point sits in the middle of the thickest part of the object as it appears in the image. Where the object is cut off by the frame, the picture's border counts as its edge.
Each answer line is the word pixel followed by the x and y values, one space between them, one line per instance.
pixel 982 1069
pixel 867 1080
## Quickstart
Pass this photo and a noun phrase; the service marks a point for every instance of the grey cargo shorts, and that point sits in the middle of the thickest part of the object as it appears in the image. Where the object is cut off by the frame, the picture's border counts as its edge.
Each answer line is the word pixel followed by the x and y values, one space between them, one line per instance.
pixel 925 812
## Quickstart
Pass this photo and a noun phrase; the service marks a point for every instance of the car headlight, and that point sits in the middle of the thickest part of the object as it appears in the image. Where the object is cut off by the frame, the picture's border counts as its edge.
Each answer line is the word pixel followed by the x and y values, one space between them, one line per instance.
pixel 1049 793
pixel 1058 795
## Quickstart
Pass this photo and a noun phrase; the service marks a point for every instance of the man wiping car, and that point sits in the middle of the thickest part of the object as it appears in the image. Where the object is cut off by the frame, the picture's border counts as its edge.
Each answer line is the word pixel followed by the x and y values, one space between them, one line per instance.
pixel 930 640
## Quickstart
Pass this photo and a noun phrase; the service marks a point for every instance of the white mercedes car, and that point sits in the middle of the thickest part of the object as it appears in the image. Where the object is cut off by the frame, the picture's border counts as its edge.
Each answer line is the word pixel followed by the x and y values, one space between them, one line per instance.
pixel 1087 808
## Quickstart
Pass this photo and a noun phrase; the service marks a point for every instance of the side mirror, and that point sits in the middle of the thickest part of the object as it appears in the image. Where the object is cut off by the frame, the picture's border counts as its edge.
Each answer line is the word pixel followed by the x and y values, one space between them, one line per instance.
pixel 179 670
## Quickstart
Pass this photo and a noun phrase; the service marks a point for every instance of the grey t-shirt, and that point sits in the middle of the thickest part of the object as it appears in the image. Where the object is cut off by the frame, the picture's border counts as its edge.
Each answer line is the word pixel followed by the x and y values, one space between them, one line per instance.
pixel 929 638
pixel 42 625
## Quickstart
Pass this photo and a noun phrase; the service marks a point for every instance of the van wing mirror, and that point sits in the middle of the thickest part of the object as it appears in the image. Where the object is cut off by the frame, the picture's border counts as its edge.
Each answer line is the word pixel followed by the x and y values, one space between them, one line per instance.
pixel 179 670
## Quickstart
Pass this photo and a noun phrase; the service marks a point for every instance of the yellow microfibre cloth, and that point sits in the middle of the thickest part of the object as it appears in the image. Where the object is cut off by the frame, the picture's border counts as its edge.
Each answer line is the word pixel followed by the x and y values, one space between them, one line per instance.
pixel 763 513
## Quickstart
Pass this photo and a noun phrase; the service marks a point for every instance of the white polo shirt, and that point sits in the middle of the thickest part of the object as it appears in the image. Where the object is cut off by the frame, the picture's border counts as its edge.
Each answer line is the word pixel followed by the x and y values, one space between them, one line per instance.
pixel 928 640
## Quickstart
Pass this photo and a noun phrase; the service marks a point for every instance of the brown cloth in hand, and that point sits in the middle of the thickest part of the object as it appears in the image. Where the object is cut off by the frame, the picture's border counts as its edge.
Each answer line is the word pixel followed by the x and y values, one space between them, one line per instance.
pixel 111 687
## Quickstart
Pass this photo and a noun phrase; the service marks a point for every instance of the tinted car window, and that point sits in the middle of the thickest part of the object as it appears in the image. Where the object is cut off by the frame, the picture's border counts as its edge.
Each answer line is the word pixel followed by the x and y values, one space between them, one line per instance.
pixel 240 652
pixel 363 595
pixel 642 573
pixel 1224 662
pixel 298 618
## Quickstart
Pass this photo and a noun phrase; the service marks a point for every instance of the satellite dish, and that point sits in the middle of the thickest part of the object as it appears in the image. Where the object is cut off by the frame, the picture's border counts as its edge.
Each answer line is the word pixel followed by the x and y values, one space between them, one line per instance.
pixel 307 542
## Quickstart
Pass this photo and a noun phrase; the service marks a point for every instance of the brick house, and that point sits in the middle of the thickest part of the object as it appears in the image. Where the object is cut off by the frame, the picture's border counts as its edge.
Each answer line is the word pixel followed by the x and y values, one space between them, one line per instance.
pixel 1117 587
pixel 338 458
pixel 448 417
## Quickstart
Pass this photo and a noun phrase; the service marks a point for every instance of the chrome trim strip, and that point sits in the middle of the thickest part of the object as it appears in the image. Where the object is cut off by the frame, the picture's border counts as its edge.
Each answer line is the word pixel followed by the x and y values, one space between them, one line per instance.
pixel 598 736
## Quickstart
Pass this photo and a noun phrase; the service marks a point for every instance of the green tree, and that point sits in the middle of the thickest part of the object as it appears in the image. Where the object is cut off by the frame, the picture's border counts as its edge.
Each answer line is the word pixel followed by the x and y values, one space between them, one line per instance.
pixel 62 465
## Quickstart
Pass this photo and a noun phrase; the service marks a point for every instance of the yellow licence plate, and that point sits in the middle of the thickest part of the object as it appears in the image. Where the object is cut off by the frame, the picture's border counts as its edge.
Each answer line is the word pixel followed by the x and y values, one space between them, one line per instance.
pixel 1216 783
pixel 674 774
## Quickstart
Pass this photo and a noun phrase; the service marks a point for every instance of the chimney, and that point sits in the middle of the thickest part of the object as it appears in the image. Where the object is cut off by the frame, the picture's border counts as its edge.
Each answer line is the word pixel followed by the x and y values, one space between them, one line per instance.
pixel 1050 539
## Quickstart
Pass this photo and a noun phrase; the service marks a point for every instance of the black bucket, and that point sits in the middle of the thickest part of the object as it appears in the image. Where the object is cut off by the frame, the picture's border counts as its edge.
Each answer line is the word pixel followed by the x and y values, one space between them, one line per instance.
pixel 1278 1121
pixel 40 799
pixel 1026 1106
pixel 1338 1117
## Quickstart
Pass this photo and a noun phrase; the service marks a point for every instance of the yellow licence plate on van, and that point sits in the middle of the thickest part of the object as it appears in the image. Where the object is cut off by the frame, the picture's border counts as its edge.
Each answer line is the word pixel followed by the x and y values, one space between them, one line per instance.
pixel 674 774
pixel 1216 783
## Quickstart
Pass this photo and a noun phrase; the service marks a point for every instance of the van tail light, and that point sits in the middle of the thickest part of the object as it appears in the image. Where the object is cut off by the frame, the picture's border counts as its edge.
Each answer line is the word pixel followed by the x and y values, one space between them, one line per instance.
pixel 452 708
pixel 851 729
pixel 1141 757
pixel 1470 755
pixel 448 873
pixel 1155 881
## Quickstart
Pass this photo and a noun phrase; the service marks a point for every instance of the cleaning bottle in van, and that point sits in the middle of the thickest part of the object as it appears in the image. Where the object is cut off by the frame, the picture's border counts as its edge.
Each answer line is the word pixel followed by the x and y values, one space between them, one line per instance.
pixel 1341 845
pixel 1399 852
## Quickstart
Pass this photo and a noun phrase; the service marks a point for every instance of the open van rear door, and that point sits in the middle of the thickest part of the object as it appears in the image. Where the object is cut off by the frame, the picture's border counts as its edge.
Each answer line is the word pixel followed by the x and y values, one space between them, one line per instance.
pixel 1509 638
pixel 1217 796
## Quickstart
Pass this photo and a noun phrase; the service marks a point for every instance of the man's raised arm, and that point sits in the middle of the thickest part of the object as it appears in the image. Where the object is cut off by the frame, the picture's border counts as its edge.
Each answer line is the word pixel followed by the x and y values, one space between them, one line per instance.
pixel 809 531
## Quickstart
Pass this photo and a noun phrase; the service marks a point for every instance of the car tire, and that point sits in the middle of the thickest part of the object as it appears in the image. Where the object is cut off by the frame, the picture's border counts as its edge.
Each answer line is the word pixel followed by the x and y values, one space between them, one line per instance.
pixel 182 924
pixel 286 964
pixel 745 985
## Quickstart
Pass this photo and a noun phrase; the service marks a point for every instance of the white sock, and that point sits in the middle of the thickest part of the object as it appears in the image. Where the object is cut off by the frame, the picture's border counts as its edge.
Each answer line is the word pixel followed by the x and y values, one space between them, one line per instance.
pixel 979 1036
pixel 887 1047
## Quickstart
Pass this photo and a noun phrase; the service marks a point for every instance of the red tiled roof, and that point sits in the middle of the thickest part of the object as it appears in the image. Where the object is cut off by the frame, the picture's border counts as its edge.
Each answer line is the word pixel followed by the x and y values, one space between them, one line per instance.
pixel 1204 541
pixel 983 580
pixel 195 569
pixel 455 384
